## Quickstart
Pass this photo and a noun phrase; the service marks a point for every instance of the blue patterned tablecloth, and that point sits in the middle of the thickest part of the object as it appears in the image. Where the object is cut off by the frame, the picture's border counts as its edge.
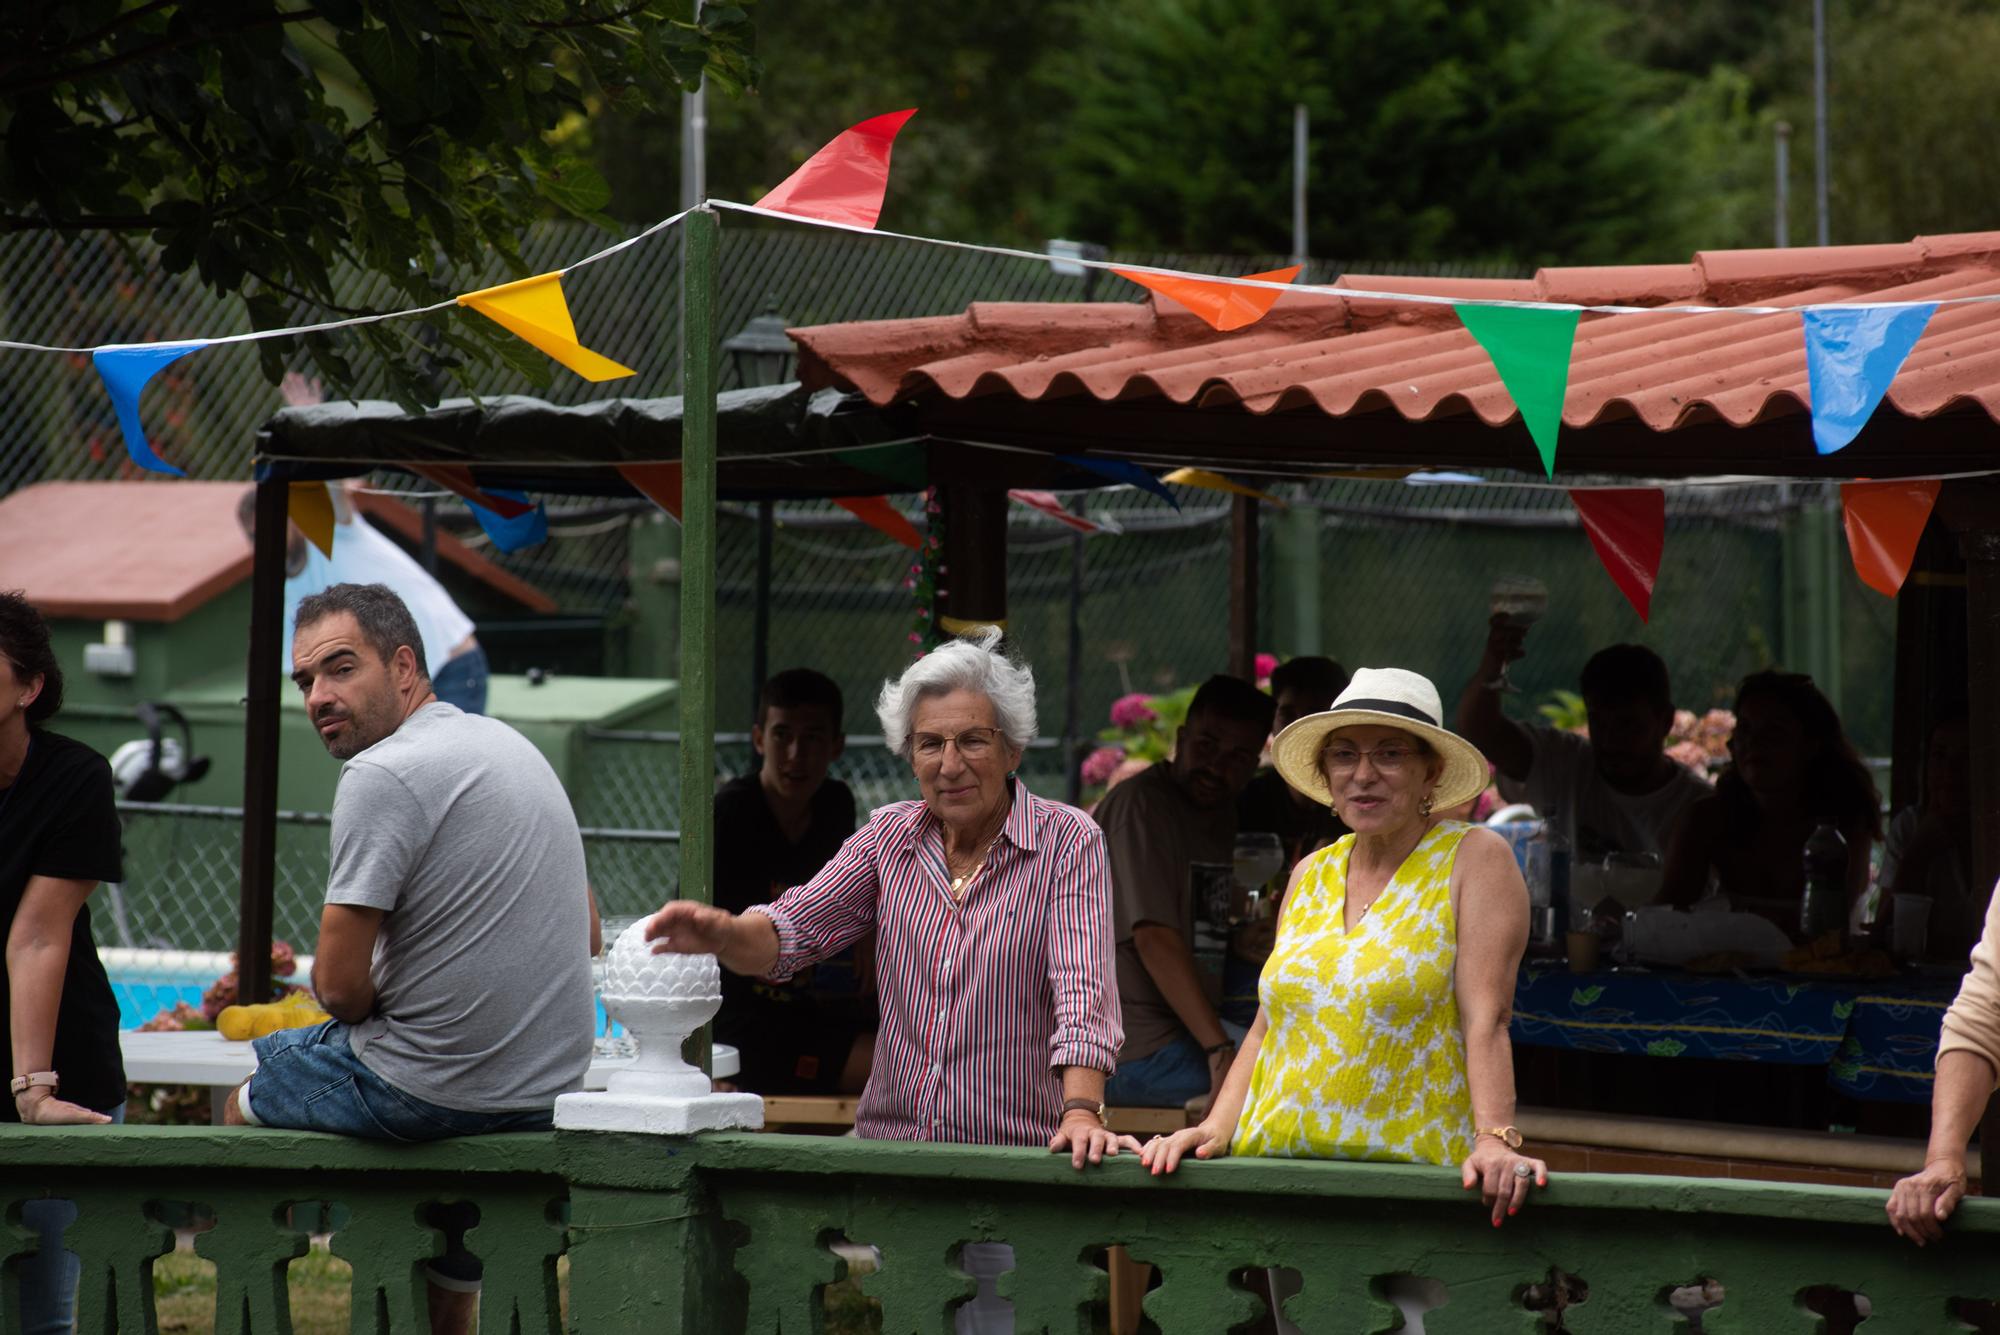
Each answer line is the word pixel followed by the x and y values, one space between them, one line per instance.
pixel 1876 1039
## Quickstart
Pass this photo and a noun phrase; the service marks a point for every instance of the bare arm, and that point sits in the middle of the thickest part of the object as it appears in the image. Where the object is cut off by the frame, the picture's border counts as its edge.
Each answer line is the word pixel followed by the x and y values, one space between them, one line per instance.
pixel 596 922
pixel 1169 960
pixel 744 943
pixel 1491 903
pixel 1480 719
pixel 37 958
pixel 341 976
pixel 1921 1203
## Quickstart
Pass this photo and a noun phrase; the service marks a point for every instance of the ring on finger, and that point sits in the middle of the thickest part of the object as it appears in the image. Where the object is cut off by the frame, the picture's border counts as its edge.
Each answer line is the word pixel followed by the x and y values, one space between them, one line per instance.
pixel 1521 1169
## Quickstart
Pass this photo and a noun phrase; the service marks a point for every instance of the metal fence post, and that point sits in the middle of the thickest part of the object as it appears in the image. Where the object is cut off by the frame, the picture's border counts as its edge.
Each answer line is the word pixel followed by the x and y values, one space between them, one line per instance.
pixel 698 557
pixel 260 743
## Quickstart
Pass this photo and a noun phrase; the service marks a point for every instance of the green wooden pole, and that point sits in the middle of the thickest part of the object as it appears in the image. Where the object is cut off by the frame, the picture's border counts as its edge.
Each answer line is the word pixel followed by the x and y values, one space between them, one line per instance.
pixel 698 350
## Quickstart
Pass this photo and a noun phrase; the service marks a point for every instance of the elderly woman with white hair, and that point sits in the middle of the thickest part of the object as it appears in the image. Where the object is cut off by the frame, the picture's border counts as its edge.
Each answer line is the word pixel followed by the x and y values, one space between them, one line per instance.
pixel 991 909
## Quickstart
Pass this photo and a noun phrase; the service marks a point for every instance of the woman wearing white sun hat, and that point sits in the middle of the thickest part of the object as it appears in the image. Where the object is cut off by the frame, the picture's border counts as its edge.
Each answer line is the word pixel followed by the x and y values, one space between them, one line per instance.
pixel 1382 1028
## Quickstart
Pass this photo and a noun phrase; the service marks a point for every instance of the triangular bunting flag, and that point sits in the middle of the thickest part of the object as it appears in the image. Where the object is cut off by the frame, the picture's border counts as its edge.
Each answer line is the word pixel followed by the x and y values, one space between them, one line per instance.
pixel 845 181
pixel 1224 305
pixel 1530 349
pixel 312 510
pixel 535 310
pixel 879 514
pixel 904 464
pixel 457 479
pixel 1885 521
pixel 1202 477
pixel 1852 356
pixel 1046 502
pixel 1118 470
pixel 510 533
pixel 658 483
pixel 125 371
pixel 1628 527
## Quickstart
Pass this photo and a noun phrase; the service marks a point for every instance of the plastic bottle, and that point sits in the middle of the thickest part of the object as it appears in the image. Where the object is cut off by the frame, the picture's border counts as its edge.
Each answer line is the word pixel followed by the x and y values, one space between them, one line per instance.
pixel 1824 907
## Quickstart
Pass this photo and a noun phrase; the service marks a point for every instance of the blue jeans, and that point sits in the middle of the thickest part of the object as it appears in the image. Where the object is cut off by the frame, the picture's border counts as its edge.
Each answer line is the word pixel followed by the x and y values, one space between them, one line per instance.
pixel 1163 1079
pixel 49 1277
pixel 462 681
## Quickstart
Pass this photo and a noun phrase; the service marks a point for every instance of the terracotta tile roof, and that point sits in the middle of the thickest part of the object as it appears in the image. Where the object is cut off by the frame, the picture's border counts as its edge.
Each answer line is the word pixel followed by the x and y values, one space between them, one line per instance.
pixel 136 551
pixel 1384 365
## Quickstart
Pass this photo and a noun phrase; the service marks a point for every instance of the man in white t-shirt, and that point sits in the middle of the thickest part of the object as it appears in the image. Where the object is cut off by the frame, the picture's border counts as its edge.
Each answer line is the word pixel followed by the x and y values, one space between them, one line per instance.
pixel 1615 791
pixel 362 554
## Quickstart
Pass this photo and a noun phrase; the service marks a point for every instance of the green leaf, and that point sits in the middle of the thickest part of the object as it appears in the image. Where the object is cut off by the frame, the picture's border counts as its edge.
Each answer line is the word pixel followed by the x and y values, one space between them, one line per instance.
pixel 1585 996
pixel 574 185
pixel 1665 1047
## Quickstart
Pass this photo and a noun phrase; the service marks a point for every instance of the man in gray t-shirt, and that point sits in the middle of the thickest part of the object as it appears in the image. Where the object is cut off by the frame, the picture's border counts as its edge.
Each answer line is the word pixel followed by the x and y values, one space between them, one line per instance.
pixel 453 952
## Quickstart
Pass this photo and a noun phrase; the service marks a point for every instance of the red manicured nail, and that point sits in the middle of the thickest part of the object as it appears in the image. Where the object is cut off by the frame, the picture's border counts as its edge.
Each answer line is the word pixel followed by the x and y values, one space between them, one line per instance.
pixel 1512 1211
pixel 1496 1223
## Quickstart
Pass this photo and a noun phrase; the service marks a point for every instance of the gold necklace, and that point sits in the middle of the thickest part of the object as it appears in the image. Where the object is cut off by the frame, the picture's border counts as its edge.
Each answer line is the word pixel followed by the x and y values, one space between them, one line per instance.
pixel 959 883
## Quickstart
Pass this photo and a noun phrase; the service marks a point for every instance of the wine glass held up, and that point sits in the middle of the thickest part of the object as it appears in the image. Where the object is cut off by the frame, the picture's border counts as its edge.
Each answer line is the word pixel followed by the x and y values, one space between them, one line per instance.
pixel 1518 602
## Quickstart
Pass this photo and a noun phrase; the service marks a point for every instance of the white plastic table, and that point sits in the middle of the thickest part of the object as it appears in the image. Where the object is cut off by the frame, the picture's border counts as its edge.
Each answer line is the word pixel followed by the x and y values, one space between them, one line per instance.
pixel 204 1057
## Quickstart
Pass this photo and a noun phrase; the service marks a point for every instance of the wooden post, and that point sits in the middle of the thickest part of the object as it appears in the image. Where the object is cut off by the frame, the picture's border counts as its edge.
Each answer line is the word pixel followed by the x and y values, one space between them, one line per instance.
pixel 697 702
pixel 760 613
pixel 975 559
pixel 263 673
pixel 1243 587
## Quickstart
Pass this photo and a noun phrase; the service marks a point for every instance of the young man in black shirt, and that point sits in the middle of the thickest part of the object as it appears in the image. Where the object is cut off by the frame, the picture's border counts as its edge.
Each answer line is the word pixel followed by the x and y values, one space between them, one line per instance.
pixel 774 829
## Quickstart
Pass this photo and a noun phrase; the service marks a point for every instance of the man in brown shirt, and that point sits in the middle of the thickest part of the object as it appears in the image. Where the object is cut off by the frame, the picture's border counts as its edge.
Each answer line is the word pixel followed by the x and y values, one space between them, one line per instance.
pixel 1162 829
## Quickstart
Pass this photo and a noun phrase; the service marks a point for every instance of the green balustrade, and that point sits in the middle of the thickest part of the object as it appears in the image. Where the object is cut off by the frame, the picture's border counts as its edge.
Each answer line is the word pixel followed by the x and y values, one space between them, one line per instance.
pixel 728 1233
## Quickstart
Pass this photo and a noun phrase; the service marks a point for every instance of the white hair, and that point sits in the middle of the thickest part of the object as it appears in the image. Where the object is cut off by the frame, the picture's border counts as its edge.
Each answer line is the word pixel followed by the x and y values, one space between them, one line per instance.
pixel 972 664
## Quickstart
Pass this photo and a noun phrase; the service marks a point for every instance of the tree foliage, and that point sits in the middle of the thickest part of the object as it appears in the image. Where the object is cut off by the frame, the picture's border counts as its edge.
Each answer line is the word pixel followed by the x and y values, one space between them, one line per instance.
pixel 263 144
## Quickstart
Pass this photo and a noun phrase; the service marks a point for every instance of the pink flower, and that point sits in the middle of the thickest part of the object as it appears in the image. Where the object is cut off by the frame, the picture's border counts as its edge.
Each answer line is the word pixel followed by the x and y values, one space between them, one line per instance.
pixel 1266 665
pixel 1099 765
pixel 1131 711
pixel 1691 754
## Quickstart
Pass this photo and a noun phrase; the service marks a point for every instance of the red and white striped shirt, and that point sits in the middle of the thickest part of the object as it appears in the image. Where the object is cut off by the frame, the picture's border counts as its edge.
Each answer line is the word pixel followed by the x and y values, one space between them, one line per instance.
pixel 982 1002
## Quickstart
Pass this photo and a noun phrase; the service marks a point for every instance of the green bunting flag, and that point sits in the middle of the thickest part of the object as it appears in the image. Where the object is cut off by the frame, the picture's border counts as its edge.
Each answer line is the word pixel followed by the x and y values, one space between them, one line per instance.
pixel 906 465
pixel 1530 349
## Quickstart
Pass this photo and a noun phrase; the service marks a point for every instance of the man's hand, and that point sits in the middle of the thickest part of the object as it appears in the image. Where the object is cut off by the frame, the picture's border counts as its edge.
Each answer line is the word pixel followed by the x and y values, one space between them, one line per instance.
pixel 684 927
pixel 1505 641
pixel 1922 1202
pixel 38 1107
pixel 1087 1138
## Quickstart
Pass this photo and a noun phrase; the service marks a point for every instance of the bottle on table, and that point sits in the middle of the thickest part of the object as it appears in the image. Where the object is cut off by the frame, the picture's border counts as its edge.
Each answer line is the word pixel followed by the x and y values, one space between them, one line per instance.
pixel 1824 906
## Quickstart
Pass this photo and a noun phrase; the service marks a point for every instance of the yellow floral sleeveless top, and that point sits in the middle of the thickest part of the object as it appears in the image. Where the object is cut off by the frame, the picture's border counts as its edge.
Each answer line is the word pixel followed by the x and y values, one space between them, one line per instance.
pixel 1363 1057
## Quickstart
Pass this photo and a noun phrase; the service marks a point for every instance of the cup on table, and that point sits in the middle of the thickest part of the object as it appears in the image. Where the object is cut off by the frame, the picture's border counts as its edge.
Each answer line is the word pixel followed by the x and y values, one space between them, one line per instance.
pixel 1909 930
pixel 1582 951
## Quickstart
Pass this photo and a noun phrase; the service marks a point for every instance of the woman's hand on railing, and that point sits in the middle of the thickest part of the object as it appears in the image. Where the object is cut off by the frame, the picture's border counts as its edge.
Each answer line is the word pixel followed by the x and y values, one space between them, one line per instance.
pixel 1921 1203
pixel 1502 1175
pixel 38 1107
pixel 1087 1138
pixel 1205 1139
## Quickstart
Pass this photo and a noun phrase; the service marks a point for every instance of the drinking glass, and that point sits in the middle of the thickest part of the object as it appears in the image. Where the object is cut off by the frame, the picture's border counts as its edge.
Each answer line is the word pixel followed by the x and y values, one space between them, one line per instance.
pixel 1522 599
pixel 1259 855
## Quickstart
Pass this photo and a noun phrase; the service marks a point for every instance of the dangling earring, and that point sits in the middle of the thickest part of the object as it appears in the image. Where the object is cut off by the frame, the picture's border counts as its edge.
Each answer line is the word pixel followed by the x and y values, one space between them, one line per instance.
pixel 1424 807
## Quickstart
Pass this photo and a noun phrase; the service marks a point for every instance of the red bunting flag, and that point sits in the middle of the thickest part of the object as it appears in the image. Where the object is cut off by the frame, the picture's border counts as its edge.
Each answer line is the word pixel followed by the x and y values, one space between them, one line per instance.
pixel 845 181
pixel 879 514
pixel 457 479
pixel 1628 527
pixel 1885 521
pixel 1224 305
pixel 658 483
pixel 1046 502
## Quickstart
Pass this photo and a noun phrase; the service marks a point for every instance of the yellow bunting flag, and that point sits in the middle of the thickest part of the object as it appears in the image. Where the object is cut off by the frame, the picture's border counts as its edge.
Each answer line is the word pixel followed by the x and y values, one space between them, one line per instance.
pixel 311 508
pixel 535 311
pixel 1201 477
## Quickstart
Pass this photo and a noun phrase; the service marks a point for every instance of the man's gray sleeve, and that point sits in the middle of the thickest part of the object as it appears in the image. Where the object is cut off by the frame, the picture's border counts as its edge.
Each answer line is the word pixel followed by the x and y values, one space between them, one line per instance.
pixel 380 831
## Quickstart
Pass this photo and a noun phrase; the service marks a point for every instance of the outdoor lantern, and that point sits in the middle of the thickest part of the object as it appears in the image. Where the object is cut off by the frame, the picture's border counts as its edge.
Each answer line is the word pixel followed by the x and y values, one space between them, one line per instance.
pixel 760 353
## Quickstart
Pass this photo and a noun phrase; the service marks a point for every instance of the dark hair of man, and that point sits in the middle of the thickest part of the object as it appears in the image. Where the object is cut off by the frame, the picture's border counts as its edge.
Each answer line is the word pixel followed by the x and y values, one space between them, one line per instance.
pixel 1625 674
pixel 1310 675
pixel 1233 698
pixel 246 509
pixel 24 642
pixel 801 688
pixel 384 621
pixel 1838 786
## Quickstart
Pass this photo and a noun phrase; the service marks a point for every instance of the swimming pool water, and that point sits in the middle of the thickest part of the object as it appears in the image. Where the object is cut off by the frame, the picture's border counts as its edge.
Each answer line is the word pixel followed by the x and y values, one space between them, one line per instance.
pixel 140 999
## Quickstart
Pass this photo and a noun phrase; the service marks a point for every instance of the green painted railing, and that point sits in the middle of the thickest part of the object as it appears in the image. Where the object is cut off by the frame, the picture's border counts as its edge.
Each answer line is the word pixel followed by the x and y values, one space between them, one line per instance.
pixel 734 1233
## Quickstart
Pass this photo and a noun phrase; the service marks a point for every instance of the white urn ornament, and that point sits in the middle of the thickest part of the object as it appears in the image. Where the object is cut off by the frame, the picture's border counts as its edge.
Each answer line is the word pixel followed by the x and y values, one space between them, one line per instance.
pixel 660 999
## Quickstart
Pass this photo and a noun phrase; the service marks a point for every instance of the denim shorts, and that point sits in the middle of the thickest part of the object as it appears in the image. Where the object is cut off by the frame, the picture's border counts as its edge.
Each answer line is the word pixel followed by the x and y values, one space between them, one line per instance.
pixel 311 1080
pixel 1164 1079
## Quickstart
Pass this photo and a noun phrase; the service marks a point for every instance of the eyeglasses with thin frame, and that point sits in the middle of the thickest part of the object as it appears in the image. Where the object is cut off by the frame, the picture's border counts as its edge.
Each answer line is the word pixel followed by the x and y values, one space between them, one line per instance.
pixel 1388 758
pixel 972 744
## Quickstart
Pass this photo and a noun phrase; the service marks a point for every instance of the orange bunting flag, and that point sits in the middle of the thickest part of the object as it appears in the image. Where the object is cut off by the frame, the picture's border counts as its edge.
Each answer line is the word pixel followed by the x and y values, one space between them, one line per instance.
pixel 311 508
pixel 845 181
pixel 1202 477
pixel 658 483
pixel 1628 527
pixel 1224 305
pixel 457 479
pixel 880 515
pixel 535 311
pixel 1885 521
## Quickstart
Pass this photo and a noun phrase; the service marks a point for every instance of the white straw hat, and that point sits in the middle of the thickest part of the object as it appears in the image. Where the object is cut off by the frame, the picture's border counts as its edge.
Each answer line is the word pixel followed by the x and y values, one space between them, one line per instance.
pixel 1385 698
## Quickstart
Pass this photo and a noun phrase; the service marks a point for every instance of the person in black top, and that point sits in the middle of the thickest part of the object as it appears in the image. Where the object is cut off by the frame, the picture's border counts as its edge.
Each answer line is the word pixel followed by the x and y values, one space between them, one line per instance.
pixel 775 829
pixel 58 838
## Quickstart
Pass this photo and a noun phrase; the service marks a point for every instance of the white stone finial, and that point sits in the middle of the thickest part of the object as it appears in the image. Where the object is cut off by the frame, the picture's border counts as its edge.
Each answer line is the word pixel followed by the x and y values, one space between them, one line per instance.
pixel 660 999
